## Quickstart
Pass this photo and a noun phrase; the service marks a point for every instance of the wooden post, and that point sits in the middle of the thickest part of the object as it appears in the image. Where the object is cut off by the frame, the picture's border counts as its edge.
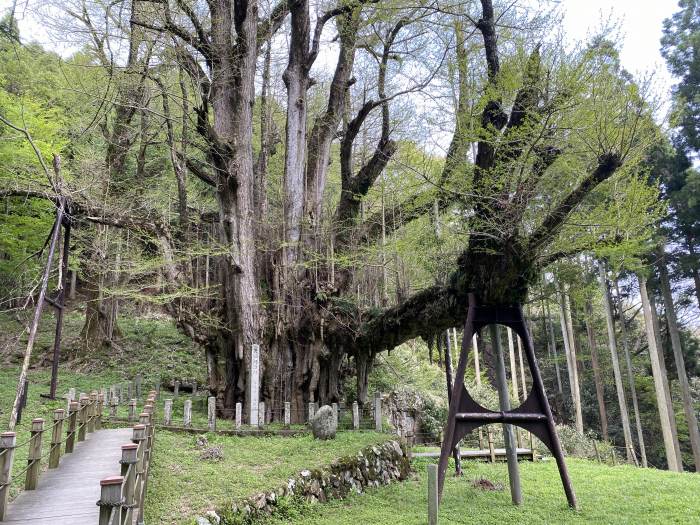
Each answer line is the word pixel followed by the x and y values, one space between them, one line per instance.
pixel 355 416
pixel 432 495
pixel 83 417
pixel 378 422
pixel 128 472
pixel 132 410
pixel 287 414
pixel 110 502
pixel 73 409
pixel 7 453
pixel 56 435
pixel 334 406
pixel 211 413
pixel 92 412
pixel 187 421
pixel 176 389
pixel 261 414
pixel 130 389
pixel 34 456
pixel 98 410
pixel 168 412
pixel 239 415
pixel 595 447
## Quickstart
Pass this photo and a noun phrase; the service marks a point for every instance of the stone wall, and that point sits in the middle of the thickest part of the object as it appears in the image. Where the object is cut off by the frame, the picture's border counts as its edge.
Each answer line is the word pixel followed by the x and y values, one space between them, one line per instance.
pixel 372 467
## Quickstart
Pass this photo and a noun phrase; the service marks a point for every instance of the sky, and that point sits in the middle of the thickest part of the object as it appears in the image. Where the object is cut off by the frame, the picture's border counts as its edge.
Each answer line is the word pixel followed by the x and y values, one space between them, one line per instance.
pixel 639 24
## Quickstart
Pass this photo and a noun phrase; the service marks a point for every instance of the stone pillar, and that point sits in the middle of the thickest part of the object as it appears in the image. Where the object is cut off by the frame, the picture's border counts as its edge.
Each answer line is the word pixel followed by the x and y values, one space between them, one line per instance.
pixel 261 414
pixel 312 411
pixel 355 416
pixel 254 385
pixel 168 412
pixel 132 410
pixel 113 404
pixel 211 413
pixel 287 413
pixel 176 389
pixel 378 423
pixel 137 383
pixel 239 415
pixel 187 419
pixel 70 397
pixel 334 406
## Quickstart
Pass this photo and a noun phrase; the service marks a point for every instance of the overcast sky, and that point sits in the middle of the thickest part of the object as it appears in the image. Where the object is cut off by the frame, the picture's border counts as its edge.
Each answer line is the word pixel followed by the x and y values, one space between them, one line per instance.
pixel 639 23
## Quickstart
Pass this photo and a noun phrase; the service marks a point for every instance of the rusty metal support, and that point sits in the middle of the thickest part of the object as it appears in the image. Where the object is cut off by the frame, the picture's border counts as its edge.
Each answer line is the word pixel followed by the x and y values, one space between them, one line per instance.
pixel 534 415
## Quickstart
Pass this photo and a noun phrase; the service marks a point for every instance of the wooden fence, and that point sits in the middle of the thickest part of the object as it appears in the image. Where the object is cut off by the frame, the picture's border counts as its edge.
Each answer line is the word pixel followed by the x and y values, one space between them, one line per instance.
pixel 84 416
pixel 122 497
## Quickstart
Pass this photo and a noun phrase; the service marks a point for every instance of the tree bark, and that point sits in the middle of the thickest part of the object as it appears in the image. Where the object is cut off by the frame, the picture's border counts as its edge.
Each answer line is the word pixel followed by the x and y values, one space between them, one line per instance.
pixel 630 376
pixel 688 407
pixel 567 331
pixel 660 382
pixel 612 342
pixel 597 378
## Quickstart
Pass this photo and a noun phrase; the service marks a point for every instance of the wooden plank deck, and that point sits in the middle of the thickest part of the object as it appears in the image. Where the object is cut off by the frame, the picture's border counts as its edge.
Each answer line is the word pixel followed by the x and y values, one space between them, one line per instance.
pixel 68 494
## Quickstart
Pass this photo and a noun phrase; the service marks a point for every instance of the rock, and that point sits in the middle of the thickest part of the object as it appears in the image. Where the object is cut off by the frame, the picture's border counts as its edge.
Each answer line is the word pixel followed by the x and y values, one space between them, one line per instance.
pixel 213 517
pixel 323 424
pixel 212 454
pixel 201 442
pixel 202 521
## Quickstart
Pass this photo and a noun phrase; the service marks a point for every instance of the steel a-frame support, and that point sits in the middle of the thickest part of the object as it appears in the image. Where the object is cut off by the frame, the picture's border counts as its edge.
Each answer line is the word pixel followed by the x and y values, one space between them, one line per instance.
pixel 534 415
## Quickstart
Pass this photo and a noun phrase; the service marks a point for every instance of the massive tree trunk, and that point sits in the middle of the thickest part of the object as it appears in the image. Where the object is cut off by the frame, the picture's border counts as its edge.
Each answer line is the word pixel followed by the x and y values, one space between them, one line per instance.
pixel 688 407
pixel 619 388
pixel 660 382
pixel 597 377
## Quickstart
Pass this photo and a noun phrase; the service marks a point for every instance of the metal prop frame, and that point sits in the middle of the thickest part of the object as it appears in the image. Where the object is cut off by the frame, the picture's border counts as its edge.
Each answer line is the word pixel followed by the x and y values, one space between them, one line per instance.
pixel 534 414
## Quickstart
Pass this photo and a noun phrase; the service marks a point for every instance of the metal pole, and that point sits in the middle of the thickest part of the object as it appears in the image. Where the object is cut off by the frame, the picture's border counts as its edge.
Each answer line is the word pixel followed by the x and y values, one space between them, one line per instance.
pixel 508 431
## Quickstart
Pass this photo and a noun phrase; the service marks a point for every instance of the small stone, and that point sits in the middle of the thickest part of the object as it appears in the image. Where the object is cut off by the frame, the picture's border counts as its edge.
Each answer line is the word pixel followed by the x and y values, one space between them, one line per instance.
pixel 323 423
pixel 212 454
pixel 202 521
pixel 213 517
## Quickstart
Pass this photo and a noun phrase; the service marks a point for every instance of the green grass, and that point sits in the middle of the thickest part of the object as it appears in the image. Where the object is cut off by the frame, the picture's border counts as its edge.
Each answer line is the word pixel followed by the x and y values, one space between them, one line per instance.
pixel 182 485
pixel 611 495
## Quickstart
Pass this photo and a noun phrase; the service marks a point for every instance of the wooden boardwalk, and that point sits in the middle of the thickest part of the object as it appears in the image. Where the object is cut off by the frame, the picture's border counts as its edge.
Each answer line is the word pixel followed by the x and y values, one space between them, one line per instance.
pixel 69 494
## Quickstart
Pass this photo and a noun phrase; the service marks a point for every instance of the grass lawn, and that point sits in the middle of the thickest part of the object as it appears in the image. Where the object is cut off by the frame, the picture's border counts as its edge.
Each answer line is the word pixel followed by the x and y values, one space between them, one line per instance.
pixel 610 495
pixel 182 485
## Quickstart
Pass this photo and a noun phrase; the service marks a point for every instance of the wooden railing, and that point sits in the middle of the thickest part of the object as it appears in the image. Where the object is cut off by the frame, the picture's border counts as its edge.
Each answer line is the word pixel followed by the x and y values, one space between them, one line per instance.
pixel 122 497
pixel 84 417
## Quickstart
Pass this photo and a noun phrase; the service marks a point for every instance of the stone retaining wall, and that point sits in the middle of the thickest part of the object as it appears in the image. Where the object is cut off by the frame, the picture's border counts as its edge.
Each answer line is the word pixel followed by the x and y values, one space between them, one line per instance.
pixel 374 466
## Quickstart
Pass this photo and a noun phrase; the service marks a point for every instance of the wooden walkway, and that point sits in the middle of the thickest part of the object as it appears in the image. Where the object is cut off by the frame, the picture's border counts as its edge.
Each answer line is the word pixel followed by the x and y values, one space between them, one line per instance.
pixel 69 494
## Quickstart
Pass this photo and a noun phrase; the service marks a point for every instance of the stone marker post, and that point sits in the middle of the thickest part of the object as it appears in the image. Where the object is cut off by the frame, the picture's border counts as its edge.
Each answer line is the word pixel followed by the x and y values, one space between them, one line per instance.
pixel 132 410
pixel 56 435
pixel 211 413
pixel 432 495
pixel 187 419
pixel 168 412
pixel 130 389
pixel 355 416
pixel 7 448
pixel 254 385
pixel 239 415
pixel 261 414
pixel 194 388
pixel 70 397
pixel 176 389
pixel 113 405
pixel 312 411
pixel 287 413
pixel 334 406
pixel 378 423
pixel 137 383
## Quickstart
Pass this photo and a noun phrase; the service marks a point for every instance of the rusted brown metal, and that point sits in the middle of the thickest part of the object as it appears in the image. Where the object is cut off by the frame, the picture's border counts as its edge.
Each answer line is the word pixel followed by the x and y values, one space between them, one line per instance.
pixel 534 415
